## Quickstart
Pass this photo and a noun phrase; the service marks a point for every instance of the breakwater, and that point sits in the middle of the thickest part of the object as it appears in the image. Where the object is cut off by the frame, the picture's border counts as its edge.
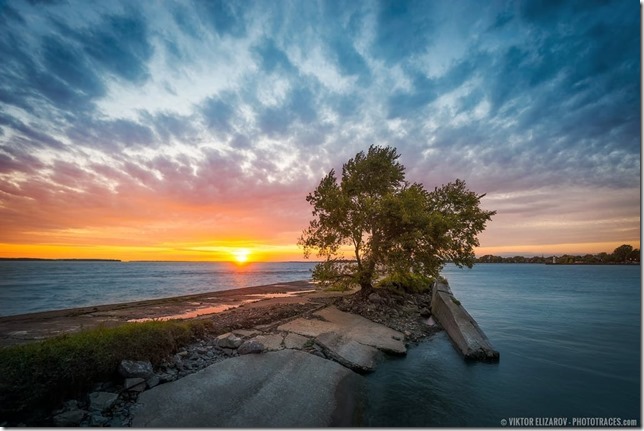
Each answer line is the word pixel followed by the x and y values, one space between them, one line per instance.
pixel 461 327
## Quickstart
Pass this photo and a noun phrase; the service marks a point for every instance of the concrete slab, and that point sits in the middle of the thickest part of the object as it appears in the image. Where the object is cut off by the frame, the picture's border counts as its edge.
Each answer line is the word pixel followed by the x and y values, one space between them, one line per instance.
pixel 308 327
pixel 271 341
pixel 348 352
pixel 461 327
pixel 295 341
pixel 349 325
pixel 284 389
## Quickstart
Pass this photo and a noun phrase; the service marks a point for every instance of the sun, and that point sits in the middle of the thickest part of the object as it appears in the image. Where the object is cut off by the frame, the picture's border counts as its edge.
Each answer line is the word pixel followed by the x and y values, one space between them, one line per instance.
pixel 241 255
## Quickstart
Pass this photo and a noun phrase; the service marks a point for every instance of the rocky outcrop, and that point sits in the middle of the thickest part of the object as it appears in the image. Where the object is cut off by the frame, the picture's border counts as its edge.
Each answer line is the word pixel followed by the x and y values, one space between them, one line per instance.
pixel 460 326
pixel 282 389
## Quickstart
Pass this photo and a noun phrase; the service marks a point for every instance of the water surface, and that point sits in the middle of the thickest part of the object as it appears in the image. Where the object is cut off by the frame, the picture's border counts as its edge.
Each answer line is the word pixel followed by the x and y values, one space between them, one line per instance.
pixel 569 338
pixel 31 286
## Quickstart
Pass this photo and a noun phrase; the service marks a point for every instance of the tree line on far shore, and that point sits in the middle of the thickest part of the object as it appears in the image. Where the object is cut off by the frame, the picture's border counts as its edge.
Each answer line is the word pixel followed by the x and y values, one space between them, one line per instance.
pixel 623 254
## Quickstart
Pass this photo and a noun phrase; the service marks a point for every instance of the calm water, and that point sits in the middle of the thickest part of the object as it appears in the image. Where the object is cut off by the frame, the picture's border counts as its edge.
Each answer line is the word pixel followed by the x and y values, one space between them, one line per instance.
pixel 27 287
pixel 569 338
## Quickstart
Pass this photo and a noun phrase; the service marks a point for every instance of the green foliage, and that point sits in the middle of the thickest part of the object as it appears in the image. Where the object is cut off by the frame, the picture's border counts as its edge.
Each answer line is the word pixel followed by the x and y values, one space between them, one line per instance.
pixel 407 282
pixel 390 225
pixel 456 301
pixel 622 252
pixel 40 375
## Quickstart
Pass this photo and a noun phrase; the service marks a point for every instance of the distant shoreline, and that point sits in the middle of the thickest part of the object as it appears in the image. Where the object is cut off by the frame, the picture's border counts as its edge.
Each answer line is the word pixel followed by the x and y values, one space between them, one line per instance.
pixel 568 264
pixel 37 259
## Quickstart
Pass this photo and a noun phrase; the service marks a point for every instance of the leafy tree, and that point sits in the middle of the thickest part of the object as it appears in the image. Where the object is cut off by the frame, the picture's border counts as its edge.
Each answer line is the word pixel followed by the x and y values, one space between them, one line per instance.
pixel 621 253
pixel 634 255
pixel 392 227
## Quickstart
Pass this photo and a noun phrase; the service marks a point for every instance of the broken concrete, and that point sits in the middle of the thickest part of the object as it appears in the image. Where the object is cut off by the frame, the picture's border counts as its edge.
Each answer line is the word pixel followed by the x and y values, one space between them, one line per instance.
pixel 271 341
pixel 295 341
pixel 348 352
pixel 463 330
pixel 350 326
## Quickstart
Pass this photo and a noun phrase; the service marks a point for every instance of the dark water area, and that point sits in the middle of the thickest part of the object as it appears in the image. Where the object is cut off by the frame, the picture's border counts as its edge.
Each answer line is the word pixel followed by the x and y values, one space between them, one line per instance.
pixel 569 338
pixel 28 287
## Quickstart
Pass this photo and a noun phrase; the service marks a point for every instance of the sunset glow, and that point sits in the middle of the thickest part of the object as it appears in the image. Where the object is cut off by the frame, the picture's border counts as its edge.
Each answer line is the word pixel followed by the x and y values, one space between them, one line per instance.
pixel 194 131
pixel 241 256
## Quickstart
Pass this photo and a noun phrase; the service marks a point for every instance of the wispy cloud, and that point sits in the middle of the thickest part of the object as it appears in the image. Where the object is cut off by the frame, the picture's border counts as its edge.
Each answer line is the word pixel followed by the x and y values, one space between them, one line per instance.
pixel 207 119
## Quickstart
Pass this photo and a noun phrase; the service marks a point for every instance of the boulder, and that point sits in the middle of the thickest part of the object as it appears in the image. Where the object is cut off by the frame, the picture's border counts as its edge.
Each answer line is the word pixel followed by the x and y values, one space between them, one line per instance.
pixel 229 341
pixel 136 384
pixel 245 332
pixel 71 418
pixel 142 369
pixel 101 401
pixel 250 346
pixel 374 297
pixel 97 420
pixel 153 381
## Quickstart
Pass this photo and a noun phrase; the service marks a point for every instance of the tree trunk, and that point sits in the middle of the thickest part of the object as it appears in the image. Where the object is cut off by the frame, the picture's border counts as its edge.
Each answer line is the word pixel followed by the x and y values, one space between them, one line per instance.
pixel 366 289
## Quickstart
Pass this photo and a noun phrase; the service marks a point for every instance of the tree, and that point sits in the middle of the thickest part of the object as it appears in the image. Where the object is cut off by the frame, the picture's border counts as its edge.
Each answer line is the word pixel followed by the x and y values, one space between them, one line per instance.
pixel 621 253
pixel 390 226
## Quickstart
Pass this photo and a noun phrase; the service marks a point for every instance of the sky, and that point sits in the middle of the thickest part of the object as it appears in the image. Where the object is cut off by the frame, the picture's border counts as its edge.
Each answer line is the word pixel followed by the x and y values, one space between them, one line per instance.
pixel 179 130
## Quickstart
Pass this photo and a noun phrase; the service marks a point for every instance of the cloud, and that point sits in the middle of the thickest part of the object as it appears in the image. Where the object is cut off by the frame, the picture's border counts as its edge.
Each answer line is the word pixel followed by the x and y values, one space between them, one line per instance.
pixel 404 29
pixel 211 111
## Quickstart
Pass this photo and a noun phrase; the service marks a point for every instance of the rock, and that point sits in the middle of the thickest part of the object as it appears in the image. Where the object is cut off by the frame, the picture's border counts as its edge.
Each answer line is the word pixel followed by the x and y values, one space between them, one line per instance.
pixel 101 401
pixel 271 342
pixel 283 389
pixel 317 351
pixel 348 352
pixel 97 420
pixel 229 341
pixel 250 346
pixel 183 353
pixel 245 332
pixel 70 418
pixel 295 341
pixel 136 384
pixel 115 422
pixel 153 381
pixel 142 369
pixel 350 325
pixel 170 376
pixel 70 405
pixel 374 297
pixel 425 312
pixel 410 309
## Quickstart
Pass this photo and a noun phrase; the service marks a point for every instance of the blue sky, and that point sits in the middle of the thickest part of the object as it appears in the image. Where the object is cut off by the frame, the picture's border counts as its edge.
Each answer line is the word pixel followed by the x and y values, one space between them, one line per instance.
pixel 179 124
